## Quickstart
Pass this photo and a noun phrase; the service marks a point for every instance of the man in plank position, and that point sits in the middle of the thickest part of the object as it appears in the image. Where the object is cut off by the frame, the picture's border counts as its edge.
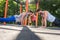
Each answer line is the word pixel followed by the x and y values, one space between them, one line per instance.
pixel 47 16
pixel 17 18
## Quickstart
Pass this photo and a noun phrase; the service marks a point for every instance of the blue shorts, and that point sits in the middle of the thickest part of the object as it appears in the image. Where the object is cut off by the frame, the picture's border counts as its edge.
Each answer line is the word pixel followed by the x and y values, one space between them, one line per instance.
pixel 9 19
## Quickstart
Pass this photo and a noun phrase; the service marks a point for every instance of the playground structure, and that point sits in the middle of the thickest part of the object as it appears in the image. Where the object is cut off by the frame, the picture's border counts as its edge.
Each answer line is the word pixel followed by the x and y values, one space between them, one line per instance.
pixel 6 8
pixel 25 21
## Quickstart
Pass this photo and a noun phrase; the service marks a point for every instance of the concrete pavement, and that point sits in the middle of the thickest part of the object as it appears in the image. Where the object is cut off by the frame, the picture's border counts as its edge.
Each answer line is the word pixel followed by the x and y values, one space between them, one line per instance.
pixel 27 33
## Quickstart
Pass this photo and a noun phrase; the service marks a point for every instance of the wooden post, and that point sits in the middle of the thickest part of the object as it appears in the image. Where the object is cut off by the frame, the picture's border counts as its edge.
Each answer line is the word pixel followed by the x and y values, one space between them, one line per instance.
pixel 6 8
pixel 26 5
pixel 20 7
pixel 37 6
pixel 26 11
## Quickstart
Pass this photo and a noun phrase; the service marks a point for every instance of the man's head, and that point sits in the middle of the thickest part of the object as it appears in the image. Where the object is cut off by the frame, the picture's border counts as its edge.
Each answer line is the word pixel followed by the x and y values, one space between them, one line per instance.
pixel 30 12
pixel 39 10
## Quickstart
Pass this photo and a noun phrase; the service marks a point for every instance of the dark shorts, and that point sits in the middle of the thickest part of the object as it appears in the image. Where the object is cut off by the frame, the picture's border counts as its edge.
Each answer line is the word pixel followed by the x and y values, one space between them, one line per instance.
pixel 19 23
pixel 56 22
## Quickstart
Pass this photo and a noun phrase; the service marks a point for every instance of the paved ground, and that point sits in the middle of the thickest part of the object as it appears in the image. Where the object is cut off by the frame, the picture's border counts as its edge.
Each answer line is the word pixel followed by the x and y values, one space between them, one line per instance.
pixel 27 33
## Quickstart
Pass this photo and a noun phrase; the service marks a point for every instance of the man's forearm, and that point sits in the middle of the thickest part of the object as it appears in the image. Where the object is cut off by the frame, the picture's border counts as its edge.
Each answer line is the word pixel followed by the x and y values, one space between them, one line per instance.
pixel 45 23
pixel 42 21
pixel 21 21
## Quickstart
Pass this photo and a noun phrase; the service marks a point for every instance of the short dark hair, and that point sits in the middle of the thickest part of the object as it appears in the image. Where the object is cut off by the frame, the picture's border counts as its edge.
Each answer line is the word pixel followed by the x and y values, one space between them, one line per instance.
pixel 30 11
pixel 38 10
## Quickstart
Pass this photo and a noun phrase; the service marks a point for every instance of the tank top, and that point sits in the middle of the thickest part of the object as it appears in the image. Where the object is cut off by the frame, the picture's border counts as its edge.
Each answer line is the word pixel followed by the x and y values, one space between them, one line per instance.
pixel 33 18
pixel 50 17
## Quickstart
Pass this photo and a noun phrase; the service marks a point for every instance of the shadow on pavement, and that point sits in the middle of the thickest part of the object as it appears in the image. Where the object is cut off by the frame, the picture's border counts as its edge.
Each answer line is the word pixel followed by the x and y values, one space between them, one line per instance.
pixel 48 33
pixel 27 34
pixel 54 28
pixel 10 29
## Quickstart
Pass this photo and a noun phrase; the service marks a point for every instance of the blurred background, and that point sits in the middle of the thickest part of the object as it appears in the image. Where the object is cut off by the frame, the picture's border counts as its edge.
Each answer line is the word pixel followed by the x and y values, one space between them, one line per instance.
pixel 53 6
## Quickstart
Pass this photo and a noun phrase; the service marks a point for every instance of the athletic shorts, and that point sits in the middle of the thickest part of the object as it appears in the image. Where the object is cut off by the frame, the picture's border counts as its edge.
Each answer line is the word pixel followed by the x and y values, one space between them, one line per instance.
pixel 56 22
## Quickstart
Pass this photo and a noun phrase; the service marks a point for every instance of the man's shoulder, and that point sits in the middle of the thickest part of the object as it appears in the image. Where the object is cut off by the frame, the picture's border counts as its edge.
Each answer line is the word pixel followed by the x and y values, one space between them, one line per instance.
pixel 15 15
pixel 46 11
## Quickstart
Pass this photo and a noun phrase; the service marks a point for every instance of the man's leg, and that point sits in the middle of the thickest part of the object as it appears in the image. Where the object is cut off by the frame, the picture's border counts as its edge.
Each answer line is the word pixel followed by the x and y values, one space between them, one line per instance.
pixel 56 22
pixel 9 19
